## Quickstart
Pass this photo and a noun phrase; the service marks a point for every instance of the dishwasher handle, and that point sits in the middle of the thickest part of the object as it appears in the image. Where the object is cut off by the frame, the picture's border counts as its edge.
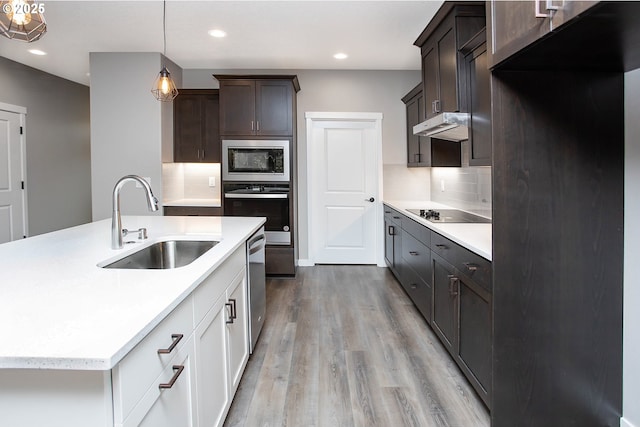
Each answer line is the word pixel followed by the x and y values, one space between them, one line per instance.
pixel 253 246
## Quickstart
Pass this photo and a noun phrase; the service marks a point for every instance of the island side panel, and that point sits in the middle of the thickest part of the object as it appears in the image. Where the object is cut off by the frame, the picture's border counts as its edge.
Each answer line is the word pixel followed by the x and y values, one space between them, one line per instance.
pixel 55 398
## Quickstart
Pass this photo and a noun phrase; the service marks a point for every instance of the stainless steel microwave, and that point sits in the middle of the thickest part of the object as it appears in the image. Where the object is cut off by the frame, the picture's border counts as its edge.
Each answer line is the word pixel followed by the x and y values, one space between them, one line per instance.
pixel 255 160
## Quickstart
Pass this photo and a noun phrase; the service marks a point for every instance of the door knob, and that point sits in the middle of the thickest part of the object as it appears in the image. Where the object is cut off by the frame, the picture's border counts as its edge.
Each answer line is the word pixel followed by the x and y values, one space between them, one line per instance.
pixel 370 199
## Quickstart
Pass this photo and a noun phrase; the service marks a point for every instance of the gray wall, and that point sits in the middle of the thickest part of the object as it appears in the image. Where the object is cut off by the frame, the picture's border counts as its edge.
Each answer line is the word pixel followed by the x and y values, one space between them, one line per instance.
pixel 57 145
pixel 131 131
pixel 631 345
pixel 346 91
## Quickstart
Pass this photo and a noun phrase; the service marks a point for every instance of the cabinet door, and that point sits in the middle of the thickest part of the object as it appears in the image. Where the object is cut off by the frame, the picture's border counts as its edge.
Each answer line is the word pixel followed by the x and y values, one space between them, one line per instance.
pixel 274 108
pixel 174 405
pixel 237 107
pixel 211 350
pixel 211 147
pixel 475 335
pixel 388 242
pixel 479 107
pixel 187 113
pixel 413 141
pixel 445 294
pixel 448 72
pixel 429 80
pixel 237 329
pixel 514 25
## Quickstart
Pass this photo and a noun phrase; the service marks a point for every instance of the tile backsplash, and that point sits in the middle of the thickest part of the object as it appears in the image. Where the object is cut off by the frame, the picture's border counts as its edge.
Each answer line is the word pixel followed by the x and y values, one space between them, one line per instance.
pixel 467 188
pixel 191 181
pixel 403 183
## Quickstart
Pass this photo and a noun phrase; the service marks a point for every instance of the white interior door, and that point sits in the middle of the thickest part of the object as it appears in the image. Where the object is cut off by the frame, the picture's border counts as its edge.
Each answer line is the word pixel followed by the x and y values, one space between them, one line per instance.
pixel 12 207
pixel 343 188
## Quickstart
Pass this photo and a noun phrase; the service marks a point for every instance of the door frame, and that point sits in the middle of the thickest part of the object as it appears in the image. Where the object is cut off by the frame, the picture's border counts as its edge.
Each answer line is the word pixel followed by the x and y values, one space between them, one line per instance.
pixel 22 112
pixel 376 118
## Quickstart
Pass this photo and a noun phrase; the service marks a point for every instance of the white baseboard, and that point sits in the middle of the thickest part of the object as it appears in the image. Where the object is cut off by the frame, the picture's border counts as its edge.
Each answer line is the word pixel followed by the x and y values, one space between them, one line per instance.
pixel 305 263
pixel 626 423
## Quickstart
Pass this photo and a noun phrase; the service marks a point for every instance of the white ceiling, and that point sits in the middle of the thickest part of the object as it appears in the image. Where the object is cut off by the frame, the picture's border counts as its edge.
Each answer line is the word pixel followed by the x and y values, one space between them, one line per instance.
pixel 377 35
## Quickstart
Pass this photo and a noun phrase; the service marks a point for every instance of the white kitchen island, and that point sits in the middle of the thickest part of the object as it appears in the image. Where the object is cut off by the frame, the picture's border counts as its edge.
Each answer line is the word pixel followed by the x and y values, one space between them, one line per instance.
pixel 80 342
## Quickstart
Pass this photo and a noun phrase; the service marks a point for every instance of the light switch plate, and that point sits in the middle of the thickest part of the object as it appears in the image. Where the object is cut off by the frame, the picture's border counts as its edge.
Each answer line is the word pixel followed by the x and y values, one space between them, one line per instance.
pixel 212 181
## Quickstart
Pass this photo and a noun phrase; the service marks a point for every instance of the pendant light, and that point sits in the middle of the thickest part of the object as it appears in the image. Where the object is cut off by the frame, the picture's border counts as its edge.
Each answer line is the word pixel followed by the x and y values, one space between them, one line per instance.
pixel 164 88
pixel 22 20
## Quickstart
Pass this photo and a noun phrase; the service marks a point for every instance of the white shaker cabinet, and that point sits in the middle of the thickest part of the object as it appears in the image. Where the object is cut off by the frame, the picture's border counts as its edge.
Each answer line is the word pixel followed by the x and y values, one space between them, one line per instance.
pixel 222 344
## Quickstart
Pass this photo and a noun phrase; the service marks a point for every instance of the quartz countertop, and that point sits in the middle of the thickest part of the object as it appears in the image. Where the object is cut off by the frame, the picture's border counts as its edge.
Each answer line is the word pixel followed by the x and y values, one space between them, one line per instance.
pixel 59 310
pixel 213 203
pixel 475 237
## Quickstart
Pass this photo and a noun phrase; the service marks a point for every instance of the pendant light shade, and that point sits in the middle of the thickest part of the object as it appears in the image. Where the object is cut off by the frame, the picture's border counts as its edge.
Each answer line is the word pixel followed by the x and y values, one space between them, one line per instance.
pixel 164 88
pixel 22 20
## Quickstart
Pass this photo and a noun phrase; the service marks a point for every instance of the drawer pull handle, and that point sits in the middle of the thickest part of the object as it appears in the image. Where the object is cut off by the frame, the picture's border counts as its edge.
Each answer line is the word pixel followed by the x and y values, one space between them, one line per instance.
pixel 413 253
pixel 392 230
pixel 471 266
pixel 441 246
pixel 413 286
pixel 178 370
pixel 453 285
pixel 176 339
pixel 234 311
pixel 396 217
pixel 230 320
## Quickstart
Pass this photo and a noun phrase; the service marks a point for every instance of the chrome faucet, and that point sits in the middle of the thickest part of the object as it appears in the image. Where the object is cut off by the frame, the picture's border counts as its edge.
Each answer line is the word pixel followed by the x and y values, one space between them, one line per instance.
pixel 116 221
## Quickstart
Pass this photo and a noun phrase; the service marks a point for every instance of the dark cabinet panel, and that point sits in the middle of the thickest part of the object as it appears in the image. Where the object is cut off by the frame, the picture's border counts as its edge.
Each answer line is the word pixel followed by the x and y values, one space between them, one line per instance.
pixel 257 106
pixel 274 108
pixel 418 147
pixel 474 349
pixel 196 126
pixel 418 290
pixel 237 107
pixel 445 301
pixel 430 82
pixel 279 261
pixel 448 72
pixel 479 102
pixel 393 240
pixel 192 211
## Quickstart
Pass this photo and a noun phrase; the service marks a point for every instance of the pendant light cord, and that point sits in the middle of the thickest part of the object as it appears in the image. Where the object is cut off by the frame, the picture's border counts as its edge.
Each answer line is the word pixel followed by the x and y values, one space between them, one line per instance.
pixel 164 27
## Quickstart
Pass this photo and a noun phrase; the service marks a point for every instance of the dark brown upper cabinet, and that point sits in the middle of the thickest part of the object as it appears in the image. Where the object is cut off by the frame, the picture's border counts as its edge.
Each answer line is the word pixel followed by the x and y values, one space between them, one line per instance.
pixel 422 150
pixel 514 25
pixel 479 100
pixel 196 136
pixel 418 147
pixel 262 106
pixel 443 68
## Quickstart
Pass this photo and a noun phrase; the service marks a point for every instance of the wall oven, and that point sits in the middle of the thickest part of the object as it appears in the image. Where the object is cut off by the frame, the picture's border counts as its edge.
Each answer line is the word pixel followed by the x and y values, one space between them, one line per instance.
pixel 255 160
pixel 267 200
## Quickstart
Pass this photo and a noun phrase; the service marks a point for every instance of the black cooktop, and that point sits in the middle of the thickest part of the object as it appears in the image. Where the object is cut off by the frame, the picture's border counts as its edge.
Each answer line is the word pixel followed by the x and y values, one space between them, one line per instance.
pixel 449 216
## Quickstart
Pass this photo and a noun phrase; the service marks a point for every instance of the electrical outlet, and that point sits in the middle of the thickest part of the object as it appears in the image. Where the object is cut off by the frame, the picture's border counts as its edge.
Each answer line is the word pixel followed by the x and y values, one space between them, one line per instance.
pixel 212 181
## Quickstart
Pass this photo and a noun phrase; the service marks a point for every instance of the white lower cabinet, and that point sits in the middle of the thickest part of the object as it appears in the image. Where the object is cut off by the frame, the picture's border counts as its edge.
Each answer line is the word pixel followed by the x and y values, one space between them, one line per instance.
pixel 203 365
pixel 223 331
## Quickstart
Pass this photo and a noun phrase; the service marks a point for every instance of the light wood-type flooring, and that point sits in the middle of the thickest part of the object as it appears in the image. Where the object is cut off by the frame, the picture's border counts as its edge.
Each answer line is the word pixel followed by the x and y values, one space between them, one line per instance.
pixel 344 346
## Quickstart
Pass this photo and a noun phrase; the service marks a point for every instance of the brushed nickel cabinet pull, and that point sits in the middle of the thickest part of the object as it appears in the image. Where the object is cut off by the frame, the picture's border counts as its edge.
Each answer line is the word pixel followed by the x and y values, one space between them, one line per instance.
pixel 258 125
pixel 234 311
pixel 471 266
pixel 453 281
pixel 413 253
pixel 178 370
pixel 176 339
pixel 441 246
pixel 230 320
pixel 251 124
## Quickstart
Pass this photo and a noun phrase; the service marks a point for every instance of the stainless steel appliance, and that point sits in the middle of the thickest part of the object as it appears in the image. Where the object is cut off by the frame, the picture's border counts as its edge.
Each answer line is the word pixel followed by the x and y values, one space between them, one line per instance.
pixel 449 126
pixel 449 216
pixel 256 285
pixel 268 200
pixel 255 160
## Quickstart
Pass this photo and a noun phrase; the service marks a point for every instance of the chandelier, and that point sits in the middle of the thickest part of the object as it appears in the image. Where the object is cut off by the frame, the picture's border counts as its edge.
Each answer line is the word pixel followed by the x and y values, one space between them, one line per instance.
pixel 22 20
pixel 164 89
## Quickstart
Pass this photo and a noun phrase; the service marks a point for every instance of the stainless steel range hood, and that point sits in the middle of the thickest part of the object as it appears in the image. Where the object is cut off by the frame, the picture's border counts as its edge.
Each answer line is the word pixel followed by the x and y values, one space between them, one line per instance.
pixel 448 126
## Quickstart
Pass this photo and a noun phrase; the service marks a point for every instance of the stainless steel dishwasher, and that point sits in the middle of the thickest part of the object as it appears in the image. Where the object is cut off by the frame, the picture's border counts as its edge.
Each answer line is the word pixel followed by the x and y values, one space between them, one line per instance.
pixel 256 285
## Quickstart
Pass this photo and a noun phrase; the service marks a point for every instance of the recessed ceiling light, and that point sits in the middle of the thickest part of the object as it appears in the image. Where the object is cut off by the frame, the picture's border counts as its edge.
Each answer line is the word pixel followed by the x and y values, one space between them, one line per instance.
pixel 37 52
pixel 217 33
pixel 341 55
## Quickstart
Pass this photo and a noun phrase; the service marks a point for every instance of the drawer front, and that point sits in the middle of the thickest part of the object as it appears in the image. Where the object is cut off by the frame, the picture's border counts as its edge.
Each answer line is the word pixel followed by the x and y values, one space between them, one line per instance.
pixel 418 256
pixel 137 371
pixel 418 291
pixel 419 231
pixel 466 262
pixel 214 286
pixel 392 215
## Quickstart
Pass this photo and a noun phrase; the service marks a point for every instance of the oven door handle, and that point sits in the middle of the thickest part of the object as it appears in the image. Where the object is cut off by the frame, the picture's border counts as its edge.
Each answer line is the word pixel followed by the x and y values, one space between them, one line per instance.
pixel 256 196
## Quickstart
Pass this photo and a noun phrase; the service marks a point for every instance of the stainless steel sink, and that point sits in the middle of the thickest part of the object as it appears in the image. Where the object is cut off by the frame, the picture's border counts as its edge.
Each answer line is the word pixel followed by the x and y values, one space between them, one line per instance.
pixel 164 255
